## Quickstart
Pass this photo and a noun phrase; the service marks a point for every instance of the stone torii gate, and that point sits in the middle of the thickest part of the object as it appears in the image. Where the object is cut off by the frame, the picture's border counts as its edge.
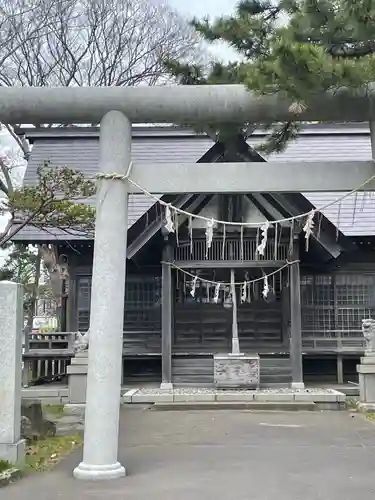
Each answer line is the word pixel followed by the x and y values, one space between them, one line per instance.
pixel 116 109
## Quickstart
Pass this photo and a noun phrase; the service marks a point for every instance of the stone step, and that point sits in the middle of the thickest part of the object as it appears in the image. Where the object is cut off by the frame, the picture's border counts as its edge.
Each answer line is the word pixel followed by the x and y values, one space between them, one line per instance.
pixel 237 405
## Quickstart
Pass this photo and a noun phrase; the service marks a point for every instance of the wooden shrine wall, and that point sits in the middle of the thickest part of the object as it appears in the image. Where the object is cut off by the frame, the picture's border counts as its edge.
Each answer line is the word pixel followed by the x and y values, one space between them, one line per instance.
pixel 200 325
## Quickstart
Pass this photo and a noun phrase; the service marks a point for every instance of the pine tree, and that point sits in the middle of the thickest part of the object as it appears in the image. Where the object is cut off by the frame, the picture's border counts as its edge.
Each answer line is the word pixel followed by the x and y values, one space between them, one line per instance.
pixel 53 202
pixel 296 47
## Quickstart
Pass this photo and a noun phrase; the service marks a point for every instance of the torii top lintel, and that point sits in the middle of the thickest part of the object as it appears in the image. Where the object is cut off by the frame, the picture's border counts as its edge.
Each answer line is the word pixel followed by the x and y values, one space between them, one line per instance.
pixel 172 104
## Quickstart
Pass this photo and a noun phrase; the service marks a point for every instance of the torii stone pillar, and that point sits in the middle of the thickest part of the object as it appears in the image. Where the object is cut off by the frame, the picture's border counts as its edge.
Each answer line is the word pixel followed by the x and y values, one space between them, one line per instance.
pixel 100 452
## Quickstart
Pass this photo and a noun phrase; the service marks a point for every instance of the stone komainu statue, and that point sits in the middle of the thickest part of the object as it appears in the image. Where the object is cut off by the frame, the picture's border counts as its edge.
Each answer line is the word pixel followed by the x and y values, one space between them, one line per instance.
pixel 81 342
pixel 368 330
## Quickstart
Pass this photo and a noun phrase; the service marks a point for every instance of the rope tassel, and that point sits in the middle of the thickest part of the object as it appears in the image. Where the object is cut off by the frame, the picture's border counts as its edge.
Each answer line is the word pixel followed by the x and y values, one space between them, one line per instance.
pixel 168 220
pixel 264 230
pixel 248 287
pixel 190 228
pixel 308 227
pixel 266 287
pixel 193 286
pixel 217 291
pixel 209 235
pixel 244 292
pixel 176 225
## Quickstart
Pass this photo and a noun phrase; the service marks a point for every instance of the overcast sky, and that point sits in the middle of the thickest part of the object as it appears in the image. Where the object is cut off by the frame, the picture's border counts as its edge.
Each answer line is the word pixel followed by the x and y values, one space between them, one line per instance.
pixel 201 8
pixel 213 9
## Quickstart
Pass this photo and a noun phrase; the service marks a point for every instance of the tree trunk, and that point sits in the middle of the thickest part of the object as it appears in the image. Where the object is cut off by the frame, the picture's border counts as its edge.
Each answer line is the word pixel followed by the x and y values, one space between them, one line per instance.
pixel 35 292
pixel 59 317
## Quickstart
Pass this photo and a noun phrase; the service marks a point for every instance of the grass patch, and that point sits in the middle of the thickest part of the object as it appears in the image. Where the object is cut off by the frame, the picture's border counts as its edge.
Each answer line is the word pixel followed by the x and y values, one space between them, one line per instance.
pixel 8 473
pixel 5 465
pixel 351 404
pixel 44 454
pixel 57 410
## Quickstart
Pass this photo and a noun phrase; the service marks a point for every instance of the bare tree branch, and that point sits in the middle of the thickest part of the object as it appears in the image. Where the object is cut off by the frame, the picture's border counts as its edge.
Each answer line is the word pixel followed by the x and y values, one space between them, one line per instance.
pixel 7 186
pixel 20 20
pixel 3 186
pixel 7 228
pixel 92 42
pixel 21 141
pixel 15 229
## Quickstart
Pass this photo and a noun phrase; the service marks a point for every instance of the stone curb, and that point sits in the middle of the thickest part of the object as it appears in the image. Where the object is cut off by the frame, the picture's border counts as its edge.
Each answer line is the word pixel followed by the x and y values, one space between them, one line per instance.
pixel 9 476
pixel 274 398
pixel 239 405
pixel 74 409
pixel 135 396
pixel 182 398
pixel 127 397
pixel 366 407
pixel 232 398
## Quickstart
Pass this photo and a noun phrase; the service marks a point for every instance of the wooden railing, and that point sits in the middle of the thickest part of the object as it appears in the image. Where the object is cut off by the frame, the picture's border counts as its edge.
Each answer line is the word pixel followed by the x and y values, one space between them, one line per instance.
pixel 230 249
pixel 46 356
pixel 141 342
pixel 337 342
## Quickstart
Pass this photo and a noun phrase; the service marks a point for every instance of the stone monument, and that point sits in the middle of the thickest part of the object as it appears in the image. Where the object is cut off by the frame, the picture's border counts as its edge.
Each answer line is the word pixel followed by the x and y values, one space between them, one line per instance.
pixel 236 371
pixel 12 447
pixel 366 370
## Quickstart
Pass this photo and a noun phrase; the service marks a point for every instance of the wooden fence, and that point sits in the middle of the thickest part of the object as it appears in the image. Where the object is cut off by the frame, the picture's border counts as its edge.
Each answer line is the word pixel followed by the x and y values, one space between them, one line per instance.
pixel 46 356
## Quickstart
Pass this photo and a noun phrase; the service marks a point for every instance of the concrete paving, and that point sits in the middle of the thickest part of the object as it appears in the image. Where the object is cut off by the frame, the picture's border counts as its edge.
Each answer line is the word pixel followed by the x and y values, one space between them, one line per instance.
pixel 226 455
